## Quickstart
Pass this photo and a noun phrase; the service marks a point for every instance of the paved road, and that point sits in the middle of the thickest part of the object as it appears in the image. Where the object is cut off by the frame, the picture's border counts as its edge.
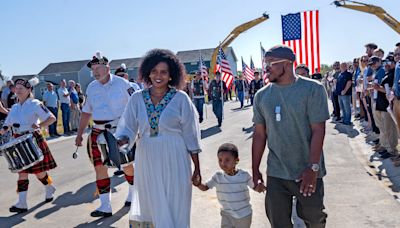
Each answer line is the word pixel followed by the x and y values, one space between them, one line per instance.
pixel 354 198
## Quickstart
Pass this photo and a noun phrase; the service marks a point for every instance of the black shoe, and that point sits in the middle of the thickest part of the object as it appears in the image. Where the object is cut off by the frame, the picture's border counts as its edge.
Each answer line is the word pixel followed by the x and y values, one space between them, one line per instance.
pixel 97 213
pixel 127 204
pixel 48 200
pixel 119 173
pixel 15 209
pixel 387 155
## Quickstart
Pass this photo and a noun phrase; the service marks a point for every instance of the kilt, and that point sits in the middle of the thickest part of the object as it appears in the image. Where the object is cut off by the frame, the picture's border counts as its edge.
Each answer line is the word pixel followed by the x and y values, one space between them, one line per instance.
pixel 48 161
pixel 96 155
pixel 93 149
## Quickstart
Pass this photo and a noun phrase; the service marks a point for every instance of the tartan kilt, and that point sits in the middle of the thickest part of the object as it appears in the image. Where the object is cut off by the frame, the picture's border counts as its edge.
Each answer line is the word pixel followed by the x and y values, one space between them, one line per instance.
pixel 93 149
pixel 48 161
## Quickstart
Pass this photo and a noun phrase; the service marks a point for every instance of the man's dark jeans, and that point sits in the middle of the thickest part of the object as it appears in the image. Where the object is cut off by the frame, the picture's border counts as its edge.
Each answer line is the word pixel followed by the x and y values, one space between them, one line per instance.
pixel 199 103
pixel 279 199
pixel 53 126
pixel 66 112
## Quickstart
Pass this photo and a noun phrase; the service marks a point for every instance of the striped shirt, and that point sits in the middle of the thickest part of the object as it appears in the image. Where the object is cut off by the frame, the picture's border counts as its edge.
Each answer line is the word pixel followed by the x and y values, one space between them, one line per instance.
pixel 232 192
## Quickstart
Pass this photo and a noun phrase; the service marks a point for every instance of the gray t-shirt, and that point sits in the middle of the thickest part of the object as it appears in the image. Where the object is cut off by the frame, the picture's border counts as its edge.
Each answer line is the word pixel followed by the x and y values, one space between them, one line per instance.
pixel 302 103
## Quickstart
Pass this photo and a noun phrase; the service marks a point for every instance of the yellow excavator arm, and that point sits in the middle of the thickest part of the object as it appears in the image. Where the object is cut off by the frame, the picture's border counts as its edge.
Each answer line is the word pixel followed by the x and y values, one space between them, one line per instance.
pixel 375 10
pixel 235 33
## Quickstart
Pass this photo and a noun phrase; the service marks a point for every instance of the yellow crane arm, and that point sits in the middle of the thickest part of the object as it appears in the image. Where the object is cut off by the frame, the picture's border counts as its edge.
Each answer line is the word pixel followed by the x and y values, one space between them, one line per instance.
pixel 375 10
pixel 235 33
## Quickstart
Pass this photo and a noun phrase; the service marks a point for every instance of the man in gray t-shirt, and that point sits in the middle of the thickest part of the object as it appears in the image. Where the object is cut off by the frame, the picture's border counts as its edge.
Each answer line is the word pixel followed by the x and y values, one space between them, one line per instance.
pixel 291 112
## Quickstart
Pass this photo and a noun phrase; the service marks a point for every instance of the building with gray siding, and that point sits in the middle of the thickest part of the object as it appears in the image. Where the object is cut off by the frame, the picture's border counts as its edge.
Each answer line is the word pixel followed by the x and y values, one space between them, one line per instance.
pixel 55 72
pixel 132 65
pixel 190 59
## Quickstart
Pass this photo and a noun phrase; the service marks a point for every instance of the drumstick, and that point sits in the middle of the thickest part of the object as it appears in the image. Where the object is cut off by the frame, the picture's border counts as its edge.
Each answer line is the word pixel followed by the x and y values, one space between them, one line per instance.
pixel 75 154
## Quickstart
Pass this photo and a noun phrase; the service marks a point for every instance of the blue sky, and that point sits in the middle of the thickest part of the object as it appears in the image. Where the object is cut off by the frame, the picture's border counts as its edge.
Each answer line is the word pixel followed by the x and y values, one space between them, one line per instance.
pixel 35 33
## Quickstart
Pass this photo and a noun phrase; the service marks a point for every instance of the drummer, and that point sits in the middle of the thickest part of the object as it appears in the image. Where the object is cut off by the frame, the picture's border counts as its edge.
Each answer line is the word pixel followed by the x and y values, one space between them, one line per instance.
pixel 27 113
pixel 107 97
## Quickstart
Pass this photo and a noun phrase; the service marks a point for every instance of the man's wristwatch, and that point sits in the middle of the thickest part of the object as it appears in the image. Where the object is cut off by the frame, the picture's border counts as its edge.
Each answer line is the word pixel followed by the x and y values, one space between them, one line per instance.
pixel 314 167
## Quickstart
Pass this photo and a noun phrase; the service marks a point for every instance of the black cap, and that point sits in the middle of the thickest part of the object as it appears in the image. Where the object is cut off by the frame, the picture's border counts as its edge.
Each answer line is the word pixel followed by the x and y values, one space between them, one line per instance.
pixel 281 52
pixel 97 59
pixel 389 58
pixel 121 69
pixel 373 59
pixel 371 45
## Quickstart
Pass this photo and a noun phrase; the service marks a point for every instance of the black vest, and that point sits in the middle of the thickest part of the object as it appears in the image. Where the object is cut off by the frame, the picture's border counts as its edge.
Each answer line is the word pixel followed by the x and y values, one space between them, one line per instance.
pixel 198 88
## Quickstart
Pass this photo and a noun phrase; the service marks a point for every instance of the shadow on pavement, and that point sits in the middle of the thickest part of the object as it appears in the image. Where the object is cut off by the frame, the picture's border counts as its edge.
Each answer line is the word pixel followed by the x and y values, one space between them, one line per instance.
pixel 16 219
pixel 210 132
pixel 347 129
pixel 82 196
pixel 107 222
pixel 241 109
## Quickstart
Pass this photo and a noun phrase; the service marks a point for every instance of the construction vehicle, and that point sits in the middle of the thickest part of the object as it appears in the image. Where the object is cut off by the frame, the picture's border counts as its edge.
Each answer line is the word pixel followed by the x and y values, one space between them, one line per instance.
pixel 235 33
pixel 375 10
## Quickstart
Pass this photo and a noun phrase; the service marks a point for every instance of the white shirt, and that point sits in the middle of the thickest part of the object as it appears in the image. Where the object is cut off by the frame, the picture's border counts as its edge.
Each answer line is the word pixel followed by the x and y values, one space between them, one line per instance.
pixel 27 114
pixel 108 101
pixel 135 86
pixel 61 92
pixel 51 98
pixel 232 192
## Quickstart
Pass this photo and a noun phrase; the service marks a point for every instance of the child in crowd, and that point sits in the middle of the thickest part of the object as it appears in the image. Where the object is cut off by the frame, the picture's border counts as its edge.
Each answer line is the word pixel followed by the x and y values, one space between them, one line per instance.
pixel 232 190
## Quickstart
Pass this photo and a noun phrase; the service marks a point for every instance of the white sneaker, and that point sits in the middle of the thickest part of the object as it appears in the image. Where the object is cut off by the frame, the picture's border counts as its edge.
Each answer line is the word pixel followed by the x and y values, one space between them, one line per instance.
pixel 50 189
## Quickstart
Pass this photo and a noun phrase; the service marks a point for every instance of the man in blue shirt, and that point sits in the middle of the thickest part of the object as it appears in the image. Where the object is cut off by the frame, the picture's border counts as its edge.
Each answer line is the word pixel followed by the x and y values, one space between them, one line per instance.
pixel 50 100
pixel 343 89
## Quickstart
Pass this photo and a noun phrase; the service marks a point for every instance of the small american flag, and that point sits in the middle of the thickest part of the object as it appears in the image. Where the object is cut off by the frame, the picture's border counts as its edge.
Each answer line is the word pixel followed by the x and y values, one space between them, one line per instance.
pixel 203 69
pixel 247 72
pixel 264 72
pixel 224 67
pixel 300 31
pixel 252 64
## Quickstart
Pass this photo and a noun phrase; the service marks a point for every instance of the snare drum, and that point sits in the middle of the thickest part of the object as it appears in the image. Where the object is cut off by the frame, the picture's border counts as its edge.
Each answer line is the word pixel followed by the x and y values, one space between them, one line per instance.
pixel 21 153
pixel 125 158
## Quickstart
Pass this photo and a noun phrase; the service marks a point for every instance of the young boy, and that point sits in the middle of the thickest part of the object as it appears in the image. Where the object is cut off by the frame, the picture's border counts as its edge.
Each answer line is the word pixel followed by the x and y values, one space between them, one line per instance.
pixel 232 190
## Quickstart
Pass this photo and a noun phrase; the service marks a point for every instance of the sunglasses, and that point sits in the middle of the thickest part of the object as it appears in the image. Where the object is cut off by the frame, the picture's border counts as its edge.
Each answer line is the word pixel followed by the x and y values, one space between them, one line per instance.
pixel 270 64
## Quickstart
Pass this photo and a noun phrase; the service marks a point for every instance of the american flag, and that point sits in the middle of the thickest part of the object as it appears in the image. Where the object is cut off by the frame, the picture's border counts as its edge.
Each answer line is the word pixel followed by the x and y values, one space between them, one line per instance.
pixel 224 67
pixel 264 72
pixel 252 64
pixel 300 31
pixel 247 72
pixel 203 69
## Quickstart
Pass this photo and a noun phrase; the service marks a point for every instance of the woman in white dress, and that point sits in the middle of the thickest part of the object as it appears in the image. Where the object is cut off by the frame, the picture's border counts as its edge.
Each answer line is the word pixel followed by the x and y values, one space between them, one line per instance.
pixel 164 123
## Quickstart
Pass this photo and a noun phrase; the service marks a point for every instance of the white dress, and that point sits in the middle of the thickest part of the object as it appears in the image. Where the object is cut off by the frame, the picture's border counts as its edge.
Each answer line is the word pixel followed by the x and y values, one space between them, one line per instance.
pixel 162 192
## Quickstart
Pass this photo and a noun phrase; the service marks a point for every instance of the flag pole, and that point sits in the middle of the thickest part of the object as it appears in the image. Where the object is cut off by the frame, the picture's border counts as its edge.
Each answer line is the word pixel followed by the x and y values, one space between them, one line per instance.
pixel 202 79
pixel 222 88
pixel 262 64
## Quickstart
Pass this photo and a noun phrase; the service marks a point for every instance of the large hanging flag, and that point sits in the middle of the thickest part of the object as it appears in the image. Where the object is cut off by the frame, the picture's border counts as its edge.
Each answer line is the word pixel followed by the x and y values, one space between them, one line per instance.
pixel 300 31
pixel 247 72
pixel 203 69
pixel 224 67
pixel 264 72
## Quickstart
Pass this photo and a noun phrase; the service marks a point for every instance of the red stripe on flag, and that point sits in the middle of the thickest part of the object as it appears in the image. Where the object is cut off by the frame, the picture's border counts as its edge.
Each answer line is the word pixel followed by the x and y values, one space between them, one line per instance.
pixel 317 31
pixel 306 36
pixel 312 43
pixel 295 51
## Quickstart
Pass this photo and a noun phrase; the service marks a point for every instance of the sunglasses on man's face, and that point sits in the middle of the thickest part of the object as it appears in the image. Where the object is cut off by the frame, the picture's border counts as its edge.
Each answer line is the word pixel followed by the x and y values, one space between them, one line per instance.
pixel 270 64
